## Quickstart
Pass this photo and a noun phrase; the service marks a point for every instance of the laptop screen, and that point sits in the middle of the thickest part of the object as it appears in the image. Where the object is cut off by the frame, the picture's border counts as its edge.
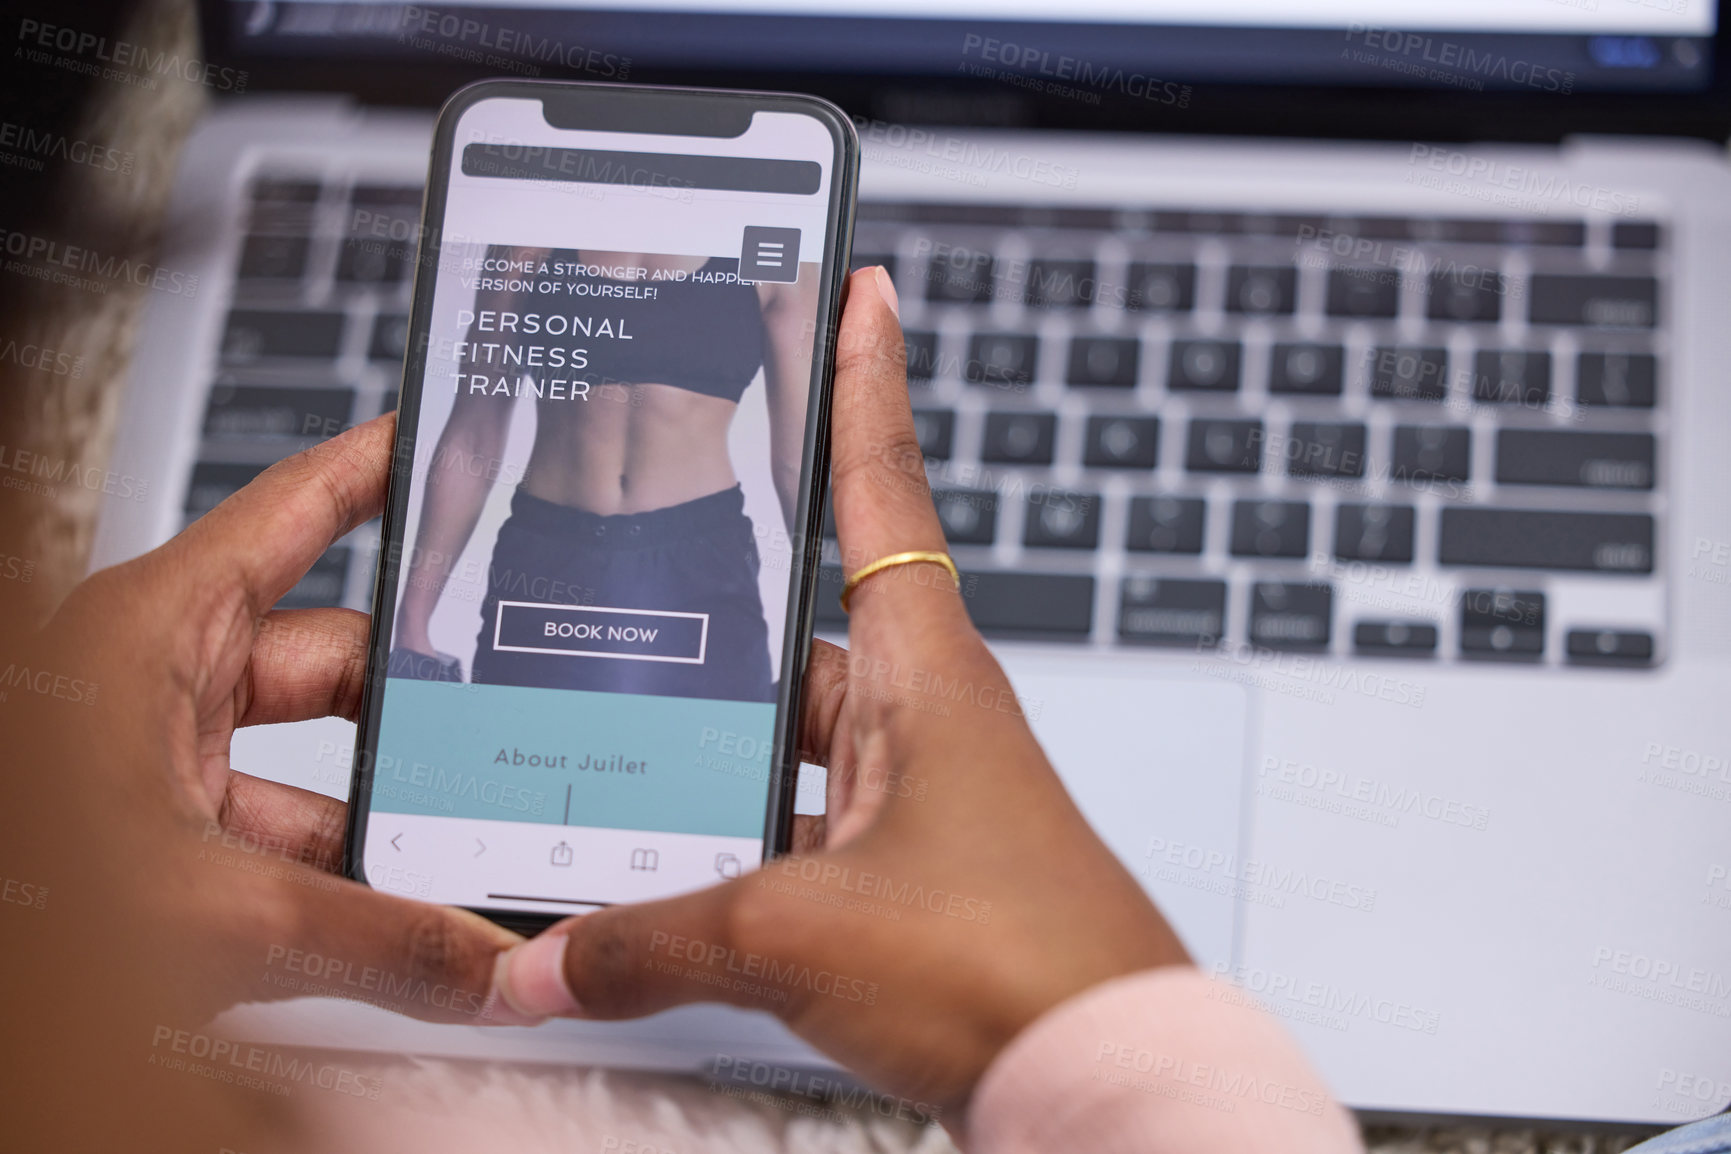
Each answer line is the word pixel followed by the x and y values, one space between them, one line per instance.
pixel 1081 50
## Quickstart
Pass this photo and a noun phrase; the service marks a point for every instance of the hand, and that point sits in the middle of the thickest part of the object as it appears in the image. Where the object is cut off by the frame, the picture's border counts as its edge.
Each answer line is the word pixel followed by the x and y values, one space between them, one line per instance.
pixel 958 893
pixel 227 883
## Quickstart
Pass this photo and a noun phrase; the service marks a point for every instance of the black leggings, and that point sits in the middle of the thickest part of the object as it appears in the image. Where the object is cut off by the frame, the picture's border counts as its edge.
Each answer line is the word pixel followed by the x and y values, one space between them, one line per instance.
pixel 699 557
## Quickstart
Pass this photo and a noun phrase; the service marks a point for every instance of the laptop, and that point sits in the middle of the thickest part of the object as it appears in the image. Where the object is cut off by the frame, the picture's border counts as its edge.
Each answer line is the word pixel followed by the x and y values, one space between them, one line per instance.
pixel 1328 418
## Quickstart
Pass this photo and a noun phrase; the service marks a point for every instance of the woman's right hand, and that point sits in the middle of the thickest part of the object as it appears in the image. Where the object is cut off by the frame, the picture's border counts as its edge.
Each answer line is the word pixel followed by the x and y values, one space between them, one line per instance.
pixel 958 893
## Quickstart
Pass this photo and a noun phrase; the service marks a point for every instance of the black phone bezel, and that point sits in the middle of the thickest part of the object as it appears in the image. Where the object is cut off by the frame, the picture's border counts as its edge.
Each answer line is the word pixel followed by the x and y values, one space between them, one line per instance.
pixel 637 108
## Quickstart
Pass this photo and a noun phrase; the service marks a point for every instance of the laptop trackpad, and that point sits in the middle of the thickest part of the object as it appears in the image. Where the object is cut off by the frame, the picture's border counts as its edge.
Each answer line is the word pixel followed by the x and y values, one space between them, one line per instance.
pixel 1157 764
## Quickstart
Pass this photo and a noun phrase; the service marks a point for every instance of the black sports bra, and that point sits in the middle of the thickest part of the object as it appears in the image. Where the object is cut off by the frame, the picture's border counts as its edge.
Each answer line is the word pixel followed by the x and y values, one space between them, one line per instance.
pixel 703 334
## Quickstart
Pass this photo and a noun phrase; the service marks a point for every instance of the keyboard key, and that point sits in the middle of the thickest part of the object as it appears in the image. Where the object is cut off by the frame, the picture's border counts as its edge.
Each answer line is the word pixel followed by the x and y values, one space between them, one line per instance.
pixel 1060 284
pixel 370 261
pixel 1363 291
pixel 284 206
pixel 922 349
pixel 1380 533
pixel 1544 539
pixel 1288 226
pixel 1312 370
pixel 1505 623
pixel 1122 443
pixel 252 334
pixel 1409 374
pixel 1001 359
pixel 1007 215
pixel 1394 638
pixel 1316 449
pixel 1165 525
pixel 266 257
pixel 1161 288
pixel 1225 223
pixel 390 337
pixel 393 201
pixel 1224 446
pixel 1622 380
pixel 1103 362
pixel 1432 453
pixel 1019 438
pixel 936 431
pixel 1552 233
pixel 1595 460
pixel 284 190
pixel 969 516
pixel 212 484
pixel 1165 611
pixel 1261 290
pixel 959 276
pixel 323 584
pixel 277 413
pixel 1204 366
pixel 1601 301
pixel 1462 295
pixel 1029 604
pixel 1468 230
pixel 1270 529
pixel 1609 647
pixel 382 236
pixel 1062 520
pixel 1381 227
pixel 1512 377
pixel 1635 234
pixel 1291 616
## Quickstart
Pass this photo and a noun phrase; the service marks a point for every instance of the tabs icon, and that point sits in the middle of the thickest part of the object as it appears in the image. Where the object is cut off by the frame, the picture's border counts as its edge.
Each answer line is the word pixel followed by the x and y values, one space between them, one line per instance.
pixel 770 254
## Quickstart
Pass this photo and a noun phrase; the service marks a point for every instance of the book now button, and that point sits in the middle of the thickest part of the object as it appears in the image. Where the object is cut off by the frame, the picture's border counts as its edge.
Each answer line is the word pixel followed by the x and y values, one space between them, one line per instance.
pixel 596 631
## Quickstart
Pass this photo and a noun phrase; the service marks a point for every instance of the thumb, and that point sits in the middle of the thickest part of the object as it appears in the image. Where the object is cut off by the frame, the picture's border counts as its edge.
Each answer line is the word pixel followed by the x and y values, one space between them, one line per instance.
pixel 631 960
pixel 883 505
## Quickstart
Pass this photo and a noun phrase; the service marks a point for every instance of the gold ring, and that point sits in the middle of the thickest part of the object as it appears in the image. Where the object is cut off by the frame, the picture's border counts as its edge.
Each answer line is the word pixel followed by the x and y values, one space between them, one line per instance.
pixel 893 560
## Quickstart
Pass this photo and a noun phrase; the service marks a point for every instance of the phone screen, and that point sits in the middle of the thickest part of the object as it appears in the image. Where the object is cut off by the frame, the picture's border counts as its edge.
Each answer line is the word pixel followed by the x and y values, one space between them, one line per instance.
pixel 599 540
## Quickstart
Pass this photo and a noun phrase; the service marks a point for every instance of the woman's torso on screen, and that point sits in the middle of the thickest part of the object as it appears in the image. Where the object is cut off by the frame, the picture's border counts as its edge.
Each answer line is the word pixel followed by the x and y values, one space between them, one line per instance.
pixel 663 387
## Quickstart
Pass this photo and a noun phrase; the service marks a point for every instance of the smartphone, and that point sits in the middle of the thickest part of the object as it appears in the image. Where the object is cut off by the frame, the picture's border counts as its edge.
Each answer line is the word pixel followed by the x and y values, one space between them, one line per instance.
pixel 599 553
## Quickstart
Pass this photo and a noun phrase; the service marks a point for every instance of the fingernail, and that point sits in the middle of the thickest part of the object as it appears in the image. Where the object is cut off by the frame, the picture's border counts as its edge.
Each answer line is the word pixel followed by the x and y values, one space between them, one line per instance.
pixel 531 977
pixel 887 290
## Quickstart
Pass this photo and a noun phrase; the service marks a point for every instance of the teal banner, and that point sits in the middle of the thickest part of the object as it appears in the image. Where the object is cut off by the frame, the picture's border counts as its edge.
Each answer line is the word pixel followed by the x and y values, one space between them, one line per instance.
pixel 571 757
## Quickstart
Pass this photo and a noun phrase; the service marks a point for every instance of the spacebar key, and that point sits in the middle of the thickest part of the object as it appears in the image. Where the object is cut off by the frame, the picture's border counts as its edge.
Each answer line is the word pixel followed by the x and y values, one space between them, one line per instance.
pixel 1029 604
pixel 1542 539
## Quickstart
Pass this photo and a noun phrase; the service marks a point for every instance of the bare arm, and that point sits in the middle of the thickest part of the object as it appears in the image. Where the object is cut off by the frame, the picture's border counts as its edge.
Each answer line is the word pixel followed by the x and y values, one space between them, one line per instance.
pixel 464 465
pixel 466 461
pixel 789 311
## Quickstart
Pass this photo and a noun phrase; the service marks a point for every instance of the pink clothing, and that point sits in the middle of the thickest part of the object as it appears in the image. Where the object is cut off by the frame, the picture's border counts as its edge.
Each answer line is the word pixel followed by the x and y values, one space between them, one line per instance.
pixel 1162 1062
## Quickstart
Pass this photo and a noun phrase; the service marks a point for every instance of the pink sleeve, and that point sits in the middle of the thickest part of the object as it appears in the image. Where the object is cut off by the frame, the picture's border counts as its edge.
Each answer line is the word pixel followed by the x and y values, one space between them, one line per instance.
pixel 1162 1062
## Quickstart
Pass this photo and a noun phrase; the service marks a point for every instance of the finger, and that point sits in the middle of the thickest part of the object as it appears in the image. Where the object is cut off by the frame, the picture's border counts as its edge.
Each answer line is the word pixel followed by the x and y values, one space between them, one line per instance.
pixel 323 935
pixel 882 502
pixel 306 663
pixel 283 821
pixel 271 531
pixel 810 831
pixel 821 700
pixel 628 961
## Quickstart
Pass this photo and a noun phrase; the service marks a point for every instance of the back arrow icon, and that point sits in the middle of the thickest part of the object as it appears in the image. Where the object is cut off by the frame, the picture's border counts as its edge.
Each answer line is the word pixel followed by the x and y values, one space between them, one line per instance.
pixel 483 846
pixel 394 844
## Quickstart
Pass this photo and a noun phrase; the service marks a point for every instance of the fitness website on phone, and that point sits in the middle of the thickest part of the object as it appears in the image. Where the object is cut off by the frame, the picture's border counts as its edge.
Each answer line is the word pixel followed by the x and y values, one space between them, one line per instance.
pixel 594 577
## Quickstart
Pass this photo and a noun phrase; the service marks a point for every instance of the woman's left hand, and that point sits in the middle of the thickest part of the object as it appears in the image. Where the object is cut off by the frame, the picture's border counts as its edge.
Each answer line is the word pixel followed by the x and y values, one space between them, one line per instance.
pixel 228 884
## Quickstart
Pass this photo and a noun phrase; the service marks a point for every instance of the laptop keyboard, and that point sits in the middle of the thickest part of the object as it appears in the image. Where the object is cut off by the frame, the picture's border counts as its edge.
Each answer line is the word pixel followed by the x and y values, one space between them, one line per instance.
pixel 312 343
pixel 1381 436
